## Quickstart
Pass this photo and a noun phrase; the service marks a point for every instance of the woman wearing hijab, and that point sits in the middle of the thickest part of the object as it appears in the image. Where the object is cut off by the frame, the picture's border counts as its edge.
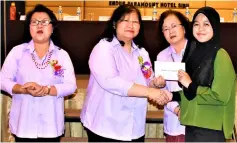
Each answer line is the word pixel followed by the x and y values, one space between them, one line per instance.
pixel 208 96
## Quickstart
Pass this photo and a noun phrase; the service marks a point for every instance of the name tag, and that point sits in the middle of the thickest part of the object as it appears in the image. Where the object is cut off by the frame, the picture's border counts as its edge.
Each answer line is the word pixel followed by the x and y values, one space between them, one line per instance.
pixel 22 17
pixel 169 70
pixel 71 18
pixel 146 17
pixel 104 18
pixel 222 19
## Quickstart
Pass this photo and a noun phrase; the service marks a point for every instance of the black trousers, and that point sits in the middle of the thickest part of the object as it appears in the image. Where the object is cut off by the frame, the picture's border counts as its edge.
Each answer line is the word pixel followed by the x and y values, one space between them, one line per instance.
pixel 57 139
pixel 92 137
pixel 196 134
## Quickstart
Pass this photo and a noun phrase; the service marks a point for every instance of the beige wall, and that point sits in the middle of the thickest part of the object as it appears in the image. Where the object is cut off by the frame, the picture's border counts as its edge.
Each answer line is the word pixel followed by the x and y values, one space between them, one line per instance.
pixel 102 8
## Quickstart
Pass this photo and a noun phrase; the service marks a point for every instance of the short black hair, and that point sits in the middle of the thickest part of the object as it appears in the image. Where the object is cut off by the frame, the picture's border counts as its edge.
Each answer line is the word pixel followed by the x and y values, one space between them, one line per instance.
pixel 118 14
pixel 183 20
pixel 39 8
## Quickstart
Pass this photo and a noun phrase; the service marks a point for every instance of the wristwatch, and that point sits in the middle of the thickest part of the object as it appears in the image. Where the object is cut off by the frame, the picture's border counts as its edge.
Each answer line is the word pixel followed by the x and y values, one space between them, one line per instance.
pixel 49 87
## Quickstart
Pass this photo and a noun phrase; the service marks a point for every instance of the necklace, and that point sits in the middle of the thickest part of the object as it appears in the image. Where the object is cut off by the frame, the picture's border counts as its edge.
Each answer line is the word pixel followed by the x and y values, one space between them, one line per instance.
pixel 44 64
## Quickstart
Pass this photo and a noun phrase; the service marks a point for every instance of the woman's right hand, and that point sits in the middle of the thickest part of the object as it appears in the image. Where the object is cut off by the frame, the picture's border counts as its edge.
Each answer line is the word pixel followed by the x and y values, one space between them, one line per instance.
pixel 161 97
pixel 34 89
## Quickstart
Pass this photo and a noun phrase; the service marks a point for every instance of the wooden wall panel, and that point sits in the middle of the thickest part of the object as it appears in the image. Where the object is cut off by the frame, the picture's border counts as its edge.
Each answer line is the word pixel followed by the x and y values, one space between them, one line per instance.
pixel 192 4
pixel 148 11
pixel 30 3
pixel 102 8
pixel 101 12
pixel 97 12
pixel 98 4
pixel 227 14
pixel 196 4
pixel 222 4
pixel 66 10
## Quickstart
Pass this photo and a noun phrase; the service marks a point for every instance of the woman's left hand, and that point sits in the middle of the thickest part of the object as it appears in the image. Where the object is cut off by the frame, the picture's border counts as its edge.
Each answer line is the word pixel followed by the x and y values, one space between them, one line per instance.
pixel 159 82
pixel 34 89
pixel 184 78
pixel 164 98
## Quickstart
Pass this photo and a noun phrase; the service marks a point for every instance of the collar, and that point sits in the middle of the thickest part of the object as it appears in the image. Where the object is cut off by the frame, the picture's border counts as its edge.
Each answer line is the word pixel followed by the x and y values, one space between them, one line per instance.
pixel 31 47
pixel 115 43
pixel 171 50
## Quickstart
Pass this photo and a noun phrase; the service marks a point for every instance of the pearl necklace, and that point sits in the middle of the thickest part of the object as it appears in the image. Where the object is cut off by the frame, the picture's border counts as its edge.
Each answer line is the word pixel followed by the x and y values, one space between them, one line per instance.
pixel 44 64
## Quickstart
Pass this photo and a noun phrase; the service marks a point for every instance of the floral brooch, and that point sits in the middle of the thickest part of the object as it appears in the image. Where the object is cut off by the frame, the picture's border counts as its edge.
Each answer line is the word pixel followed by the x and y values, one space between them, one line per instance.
pixel 57 69
pixel 146 67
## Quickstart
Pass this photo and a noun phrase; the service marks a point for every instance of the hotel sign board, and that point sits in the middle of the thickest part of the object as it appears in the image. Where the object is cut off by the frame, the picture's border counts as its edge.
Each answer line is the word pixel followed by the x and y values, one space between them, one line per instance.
pixel 150 4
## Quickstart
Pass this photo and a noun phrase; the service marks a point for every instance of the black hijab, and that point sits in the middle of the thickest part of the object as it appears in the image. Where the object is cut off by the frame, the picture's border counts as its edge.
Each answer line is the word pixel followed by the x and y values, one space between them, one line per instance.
pixel 199 57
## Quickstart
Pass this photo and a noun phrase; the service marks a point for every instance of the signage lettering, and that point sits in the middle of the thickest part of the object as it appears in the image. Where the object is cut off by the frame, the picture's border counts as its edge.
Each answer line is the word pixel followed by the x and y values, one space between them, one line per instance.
pixel 150 4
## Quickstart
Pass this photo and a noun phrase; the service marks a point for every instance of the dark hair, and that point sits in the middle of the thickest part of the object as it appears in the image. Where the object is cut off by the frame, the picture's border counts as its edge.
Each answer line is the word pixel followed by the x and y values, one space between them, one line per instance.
pixel 118 14
pixel 39 8
pixel 184 22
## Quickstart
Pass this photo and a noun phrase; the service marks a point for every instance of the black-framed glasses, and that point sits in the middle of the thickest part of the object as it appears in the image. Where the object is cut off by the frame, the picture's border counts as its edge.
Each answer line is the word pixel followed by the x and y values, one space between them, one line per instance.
pixel 173 26
pixel 44 22
pixel 128 22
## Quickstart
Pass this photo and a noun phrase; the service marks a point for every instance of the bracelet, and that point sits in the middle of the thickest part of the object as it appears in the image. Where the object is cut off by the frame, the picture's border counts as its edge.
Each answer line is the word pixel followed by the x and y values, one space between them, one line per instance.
pixel 178 111
pixel 49 87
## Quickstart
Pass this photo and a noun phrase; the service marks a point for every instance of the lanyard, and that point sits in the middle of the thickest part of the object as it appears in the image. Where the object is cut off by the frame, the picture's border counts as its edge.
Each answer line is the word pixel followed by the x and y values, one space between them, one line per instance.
pixel 173 57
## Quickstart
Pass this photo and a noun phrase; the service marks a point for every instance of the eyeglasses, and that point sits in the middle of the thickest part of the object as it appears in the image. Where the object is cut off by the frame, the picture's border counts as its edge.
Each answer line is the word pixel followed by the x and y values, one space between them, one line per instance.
pixel 135 23
pixel 174 26
pixel 44 22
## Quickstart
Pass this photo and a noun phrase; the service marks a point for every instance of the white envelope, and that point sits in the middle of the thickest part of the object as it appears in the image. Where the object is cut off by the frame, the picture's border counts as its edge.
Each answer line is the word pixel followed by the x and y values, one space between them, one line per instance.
pixel 222 19
pixel 23 17
pixel 146 17
pixel 71 18
pixel 104 18
pixel 169 70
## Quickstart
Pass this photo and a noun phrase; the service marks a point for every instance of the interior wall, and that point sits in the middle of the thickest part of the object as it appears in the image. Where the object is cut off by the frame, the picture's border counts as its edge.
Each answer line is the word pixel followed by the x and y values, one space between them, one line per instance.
pixel 102 8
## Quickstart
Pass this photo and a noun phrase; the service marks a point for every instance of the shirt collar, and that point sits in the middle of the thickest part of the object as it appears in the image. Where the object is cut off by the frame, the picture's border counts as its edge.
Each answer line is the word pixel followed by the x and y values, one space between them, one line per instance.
pixel 115 42
pixel 172 50
pixel 31 47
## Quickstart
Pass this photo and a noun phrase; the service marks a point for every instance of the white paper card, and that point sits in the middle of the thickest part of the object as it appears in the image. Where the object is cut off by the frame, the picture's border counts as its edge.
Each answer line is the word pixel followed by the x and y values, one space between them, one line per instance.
pixel 222 19
pixel 169 70
pixel 22 17
pixel 70 18
pixel 104 18
pixel 146 17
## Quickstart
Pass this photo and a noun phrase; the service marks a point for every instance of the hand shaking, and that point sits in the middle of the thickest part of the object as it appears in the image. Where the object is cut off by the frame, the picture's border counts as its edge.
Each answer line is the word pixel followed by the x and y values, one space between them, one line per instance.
pixel 161 97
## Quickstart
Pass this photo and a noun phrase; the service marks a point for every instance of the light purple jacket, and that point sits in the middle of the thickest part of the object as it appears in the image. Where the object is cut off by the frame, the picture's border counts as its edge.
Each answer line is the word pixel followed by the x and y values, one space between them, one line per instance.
pixel 108 111
pixel 32 117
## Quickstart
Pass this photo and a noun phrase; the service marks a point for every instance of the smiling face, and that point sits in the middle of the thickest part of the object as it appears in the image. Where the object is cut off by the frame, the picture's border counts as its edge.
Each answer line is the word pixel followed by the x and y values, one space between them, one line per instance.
pixel 202 29
pixel 128 27
pixel 42 31
pixel 173 30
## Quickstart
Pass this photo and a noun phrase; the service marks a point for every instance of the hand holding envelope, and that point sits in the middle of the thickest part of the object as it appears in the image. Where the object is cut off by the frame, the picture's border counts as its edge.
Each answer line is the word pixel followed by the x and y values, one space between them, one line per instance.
pixel 169 70
pixel 184 78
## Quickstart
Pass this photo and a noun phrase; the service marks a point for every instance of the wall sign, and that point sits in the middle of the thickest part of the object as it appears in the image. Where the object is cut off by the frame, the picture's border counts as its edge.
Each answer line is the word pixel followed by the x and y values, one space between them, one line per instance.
pixel 150 4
